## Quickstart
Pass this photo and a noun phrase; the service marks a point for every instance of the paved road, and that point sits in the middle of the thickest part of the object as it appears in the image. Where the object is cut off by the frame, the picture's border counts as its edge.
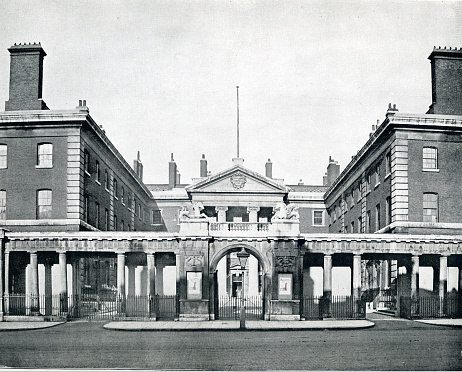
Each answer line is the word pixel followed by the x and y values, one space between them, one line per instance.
pixel 390 345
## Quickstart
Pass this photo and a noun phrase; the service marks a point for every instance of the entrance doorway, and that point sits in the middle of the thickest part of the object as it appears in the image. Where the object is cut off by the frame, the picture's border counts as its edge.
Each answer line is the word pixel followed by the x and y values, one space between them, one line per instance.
pixel 232 284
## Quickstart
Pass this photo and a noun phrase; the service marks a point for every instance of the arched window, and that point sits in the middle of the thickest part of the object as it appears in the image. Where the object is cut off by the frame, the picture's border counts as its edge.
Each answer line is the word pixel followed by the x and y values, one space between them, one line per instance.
pixel 45 155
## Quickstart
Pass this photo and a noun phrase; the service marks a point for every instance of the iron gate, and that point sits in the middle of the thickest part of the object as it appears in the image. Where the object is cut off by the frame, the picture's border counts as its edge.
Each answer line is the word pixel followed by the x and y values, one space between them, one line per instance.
pixel 229 307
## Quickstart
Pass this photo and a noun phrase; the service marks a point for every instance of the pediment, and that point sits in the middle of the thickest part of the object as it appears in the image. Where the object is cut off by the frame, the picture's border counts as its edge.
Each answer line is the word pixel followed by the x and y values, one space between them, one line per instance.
pixel 237 179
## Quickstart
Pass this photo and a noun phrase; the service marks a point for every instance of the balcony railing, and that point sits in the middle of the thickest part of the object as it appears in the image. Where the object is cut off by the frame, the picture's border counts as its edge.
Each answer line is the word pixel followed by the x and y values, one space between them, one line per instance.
pixel 239 226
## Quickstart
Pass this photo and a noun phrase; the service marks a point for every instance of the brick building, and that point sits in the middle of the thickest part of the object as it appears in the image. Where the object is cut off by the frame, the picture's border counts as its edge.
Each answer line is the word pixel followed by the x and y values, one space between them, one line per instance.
pixel 76 219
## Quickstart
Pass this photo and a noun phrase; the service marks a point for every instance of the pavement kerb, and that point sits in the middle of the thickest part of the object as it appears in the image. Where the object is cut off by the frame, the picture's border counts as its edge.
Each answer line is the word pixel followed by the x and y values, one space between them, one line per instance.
pixel 456 323
pixel 26 326
pixel 234 326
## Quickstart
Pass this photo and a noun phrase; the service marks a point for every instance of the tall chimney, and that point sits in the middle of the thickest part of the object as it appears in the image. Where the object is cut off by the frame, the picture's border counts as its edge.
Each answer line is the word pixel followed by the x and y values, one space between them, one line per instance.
pixel 26 78
pixel 203 172
pixel 446 67
pixel 269 169
pixel 177 179
pixel 138 167
pixel 172 173
pixel 333 171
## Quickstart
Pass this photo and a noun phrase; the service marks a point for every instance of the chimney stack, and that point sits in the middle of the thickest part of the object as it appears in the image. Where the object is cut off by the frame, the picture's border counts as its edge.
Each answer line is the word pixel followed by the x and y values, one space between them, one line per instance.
pixel 138 166
pixel 203 170
pixel 446 67
pixel 172 173
pixel 269 169
pixel 333 171
pixel 26 78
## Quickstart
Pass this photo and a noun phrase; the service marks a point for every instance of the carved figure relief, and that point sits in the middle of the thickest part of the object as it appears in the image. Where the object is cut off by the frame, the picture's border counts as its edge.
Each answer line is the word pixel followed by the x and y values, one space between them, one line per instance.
pixel 197 260
pixel 193 210
pixel 285 212
pixel 285 262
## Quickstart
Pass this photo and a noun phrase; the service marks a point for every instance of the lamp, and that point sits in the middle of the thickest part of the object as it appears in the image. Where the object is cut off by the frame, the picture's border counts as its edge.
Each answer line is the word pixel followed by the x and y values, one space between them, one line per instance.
pixel 243 257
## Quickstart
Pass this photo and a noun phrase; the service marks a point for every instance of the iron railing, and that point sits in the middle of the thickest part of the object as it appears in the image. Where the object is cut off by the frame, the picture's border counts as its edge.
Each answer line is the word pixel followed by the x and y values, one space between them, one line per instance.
pixel 229 307
pixel 338 307
pixel 432 307
pixel 92 306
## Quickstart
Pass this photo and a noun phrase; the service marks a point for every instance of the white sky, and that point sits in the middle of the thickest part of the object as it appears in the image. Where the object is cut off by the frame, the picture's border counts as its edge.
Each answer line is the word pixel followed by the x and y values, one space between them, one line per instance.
pixel 161 76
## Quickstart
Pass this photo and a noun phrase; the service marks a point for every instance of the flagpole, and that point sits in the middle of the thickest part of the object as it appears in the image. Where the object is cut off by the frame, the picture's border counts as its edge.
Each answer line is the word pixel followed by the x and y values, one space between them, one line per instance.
pixel 237 88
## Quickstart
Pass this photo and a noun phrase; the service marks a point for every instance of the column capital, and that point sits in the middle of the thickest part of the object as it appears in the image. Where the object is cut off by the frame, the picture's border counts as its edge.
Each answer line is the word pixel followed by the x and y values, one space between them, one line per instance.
pixel 252 209
pixel 221 208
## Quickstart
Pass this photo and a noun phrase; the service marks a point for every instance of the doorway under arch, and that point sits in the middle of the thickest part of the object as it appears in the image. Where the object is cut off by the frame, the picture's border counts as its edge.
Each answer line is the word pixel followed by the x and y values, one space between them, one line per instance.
pixel 231 283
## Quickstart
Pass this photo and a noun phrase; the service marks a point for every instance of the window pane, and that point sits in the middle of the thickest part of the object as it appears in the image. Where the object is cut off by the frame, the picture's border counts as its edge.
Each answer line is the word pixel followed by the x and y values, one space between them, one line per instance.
pixel 2 205
pixel 3 156
pixel 430 158
pixel 156 217
pixel 44 201
pixel 45 155
pixel 430 207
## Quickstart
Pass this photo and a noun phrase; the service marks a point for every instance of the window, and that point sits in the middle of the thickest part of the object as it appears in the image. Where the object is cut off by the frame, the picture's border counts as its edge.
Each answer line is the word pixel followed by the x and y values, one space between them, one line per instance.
pixel 98 172
pixel 388 211
pixel 368 183
pixel 318 218
pixel 430 158
pixel 139 211
pixel 2 204
pixel 360 224
pixel 352 198
pixel 115 222
pixel 352 226
pixel 377 175
pixel 122 225
pixel 44 200
pixel 106 220
pixel 129 200
pixel 377 217
pixel 122 195
pixel 387 164
pixel 86 161
pixel 3 156
pixel 44 155
pixel 135 205
pixel 85 209
pixel 358 193
pixel 106 179
pixel 97 215
pixel 116 190
pixel 156 217
pixel 430 207
pixel 368 222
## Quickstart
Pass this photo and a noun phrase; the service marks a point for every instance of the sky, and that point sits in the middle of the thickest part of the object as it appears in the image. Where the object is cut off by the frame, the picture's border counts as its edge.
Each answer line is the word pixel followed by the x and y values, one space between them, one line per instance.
pixel 160 76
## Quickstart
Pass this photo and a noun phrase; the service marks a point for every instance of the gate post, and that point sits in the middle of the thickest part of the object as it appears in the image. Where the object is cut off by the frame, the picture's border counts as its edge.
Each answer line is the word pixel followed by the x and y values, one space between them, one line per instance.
pixel 151 285
pixel 121 283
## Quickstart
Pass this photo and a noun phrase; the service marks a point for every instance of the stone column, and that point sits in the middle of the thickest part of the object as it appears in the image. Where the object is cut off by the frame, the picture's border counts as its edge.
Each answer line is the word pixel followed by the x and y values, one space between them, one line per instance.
pixel 160 278
pixel 48 288
pixel 327 285
pixel 356 276
pixel 459 290
pixel 415 277
pixel 385 274
pixel 2 248
pixel 34 284
pixel 221 210
pixel 121 274
pixel 415 310
pixel 63 282
pixel 253 217
pixel 131 280
pixel 151 284
pixel 121 283
pixel 443 285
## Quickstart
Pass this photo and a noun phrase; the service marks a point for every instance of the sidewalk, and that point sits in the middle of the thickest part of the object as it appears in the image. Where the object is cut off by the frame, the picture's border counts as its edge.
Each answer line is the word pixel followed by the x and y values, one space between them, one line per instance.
pixel 23 326
pixel 232 325
pixel 442 322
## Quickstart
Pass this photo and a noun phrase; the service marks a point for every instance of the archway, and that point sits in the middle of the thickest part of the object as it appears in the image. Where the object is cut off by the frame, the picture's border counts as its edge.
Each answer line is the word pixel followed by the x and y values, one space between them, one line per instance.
pixel 231 284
